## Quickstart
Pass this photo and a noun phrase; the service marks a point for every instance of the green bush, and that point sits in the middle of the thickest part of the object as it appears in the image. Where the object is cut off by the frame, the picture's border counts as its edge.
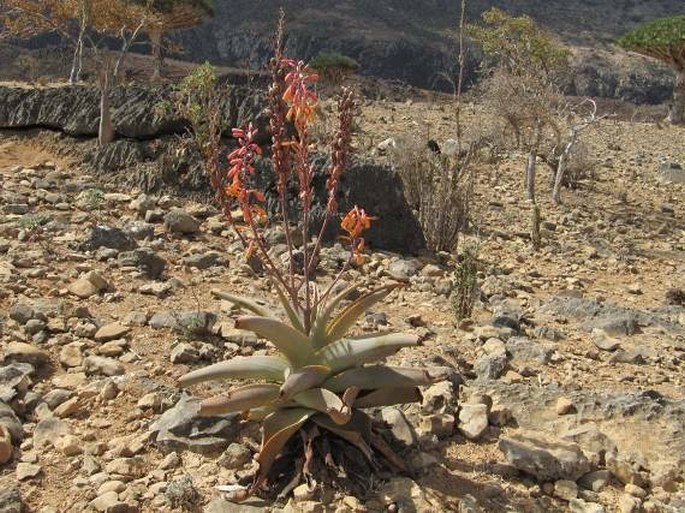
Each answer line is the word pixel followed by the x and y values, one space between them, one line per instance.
pixel 334 67
pixel 198 99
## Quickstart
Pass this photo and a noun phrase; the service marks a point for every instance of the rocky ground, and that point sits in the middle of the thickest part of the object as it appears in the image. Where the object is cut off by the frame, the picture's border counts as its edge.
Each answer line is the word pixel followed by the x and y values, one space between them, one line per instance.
pixel 572 363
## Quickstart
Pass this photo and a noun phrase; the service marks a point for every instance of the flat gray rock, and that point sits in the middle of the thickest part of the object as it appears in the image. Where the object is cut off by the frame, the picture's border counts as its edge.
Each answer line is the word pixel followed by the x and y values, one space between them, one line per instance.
pixel 180 428
pixel 15 379
pixel 544 457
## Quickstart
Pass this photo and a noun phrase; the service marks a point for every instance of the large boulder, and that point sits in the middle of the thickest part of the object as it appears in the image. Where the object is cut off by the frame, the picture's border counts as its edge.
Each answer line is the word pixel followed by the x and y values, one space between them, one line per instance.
pixel 365 183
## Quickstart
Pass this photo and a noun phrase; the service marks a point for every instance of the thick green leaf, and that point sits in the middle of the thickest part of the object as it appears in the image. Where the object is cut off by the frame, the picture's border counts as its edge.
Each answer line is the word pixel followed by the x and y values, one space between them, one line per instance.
pixel 382 376
pixel 304 378
pixel 293 344
pixel 318 335
pixel 352 352
pixel 326 402
pixel 270 368
pixel 388 397
pixel 357 431
pixel 289 310
pixel 246 303
pixel 239 399
pixel 277 430
pixel 346 319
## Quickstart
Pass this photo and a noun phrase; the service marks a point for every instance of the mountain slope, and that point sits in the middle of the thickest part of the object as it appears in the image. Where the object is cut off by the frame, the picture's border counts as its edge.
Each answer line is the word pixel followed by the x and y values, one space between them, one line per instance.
pixel 398 39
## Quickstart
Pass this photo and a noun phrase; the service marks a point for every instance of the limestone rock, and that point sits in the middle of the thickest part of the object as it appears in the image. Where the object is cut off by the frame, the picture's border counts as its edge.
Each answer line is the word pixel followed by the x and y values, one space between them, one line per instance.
pixel 184 353
pixel 179 221
pixel 27 471
pixel 439 398
pixel 544 457
pixel 21 352
pixel 88 285
pixel 235 456
pixel 596 480
pixel 440 424
pixel 75 110
pixel 604 341
pixel 407 495
pixel 564 406
pixel 580 506
pixel 145 259
pixel 70 355
pixel 180 428
pixel 126 467
pixel 103 365
pixel 103 236
pixel 69 445
pixel 565 490
pixel 629 504
pixel 105 503
pixel 111 331
pixel 22 313
pixel 49 430
pixel 400 427
pixel 14 381
pixel 473 420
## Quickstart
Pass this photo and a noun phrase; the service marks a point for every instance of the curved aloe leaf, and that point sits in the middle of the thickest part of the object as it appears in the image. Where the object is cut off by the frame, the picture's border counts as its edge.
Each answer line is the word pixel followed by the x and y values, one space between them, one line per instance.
pixel 352 352
pixel 388 397
pixel 381 376
pixel 293 344
pixel 289 310
pixel 245 302
pixel 326 402
pixel 318 334
pixel 350 396
pixel 344 321
pixel 357 431
pixel 304 378
pixel 239 399
pixel 260 413
pixel 277 430
pixel 270 368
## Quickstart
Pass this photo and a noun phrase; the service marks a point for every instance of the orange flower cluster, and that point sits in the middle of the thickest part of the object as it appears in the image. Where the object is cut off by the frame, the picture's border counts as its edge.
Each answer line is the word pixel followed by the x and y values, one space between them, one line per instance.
pixel 301 99
pixel 354 223
pixel 242 163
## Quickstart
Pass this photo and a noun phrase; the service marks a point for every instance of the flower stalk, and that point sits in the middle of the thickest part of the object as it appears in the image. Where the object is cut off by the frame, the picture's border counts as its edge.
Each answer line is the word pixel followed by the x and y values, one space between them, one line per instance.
pixel 292 100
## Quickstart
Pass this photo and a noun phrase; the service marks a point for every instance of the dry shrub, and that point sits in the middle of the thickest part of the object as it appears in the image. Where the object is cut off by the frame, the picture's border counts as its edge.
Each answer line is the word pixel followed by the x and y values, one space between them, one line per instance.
pixel 581 170
pixel 439 189
pixel 582 167
pixel 527 105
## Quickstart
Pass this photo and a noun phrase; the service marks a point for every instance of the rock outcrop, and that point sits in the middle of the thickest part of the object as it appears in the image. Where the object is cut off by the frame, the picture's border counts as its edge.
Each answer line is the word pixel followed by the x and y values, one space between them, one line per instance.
pixel 138 112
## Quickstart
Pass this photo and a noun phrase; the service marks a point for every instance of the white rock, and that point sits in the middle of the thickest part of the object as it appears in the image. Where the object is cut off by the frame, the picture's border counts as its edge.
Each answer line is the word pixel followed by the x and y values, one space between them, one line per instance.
pixel 450 147
pixel 473 420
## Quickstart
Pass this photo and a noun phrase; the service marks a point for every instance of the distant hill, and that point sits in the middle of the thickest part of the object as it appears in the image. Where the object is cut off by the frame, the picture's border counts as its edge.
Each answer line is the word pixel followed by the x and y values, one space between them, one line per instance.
pixel 404 39
pixel 412 40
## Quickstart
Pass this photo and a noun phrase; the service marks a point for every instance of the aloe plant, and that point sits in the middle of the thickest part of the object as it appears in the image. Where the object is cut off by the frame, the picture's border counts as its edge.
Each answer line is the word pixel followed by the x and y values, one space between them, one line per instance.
pixel 324 376
pixel 321 375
